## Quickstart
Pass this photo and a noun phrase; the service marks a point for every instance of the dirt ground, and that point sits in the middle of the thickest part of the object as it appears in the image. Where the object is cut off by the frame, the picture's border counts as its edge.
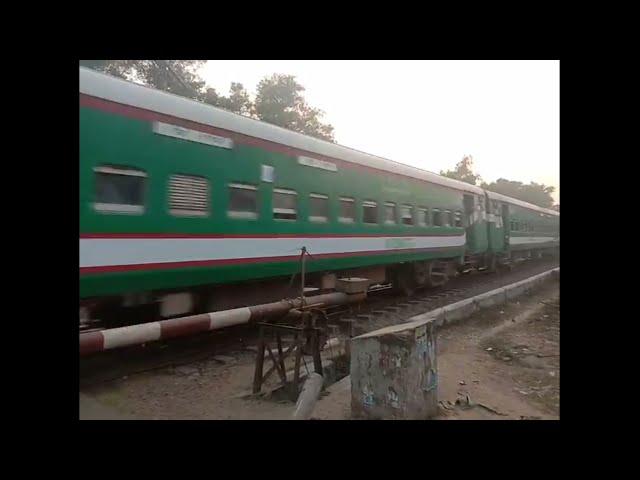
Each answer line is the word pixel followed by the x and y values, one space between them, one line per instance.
pixel 216 388
pixel 502 363
pixel 208 390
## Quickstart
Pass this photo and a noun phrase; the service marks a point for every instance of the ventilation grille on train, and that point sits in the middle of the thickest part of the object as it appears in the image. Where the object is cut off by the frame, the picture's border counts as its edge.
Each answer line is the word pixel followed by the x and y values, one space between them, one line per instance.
pixel 188 195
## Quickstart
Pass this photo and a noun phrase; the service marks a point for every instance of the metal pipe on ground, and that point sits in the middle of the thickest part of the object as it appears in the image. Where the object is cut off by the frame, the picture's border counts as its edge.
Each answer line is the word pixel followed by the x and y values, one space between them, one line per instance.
pixel 308 397
pixel 99 341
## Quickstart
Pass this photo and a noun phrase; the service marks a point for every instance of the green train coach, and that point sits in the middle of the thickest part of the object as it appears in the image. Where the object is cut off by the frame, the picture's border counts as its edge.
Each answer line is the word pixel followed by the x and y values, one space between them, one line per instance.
pixel 183 204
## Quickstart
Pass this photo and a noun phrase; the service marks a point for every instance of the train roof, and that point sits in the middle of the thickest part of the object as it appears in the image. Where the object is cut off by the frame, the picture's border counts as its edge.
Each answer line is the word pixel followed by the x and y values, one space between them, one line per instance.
pixel 521 203
pixel 122 91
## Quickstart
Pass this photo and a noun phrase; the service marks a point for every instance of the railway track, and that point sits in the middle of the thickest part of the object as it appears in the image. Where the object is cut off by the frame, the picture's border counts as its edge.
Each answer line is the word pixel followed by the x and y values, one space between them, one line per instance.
pixel 383 307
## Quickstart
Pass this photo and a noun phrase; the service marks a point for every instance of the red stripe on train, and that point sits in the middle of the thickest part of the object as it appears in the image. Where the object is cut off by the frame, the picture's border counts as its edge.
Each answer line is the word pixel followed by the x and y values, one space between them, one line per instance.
pixel 91 342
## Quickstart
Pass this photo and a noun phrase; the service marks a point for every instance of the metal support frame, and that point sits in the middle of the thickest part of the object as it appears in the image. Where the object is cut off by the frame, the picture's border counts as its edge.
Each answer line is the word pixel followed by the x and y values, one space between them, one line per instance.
pixel 308 339
pixel 308 333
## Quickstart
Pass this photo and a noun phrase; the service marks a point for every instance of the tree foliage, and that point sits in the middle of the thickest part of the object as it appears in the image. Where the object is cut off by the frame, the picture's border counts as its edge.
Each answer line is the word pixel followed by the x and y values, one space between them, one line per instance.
pixel 536 193
pixel 463 171
pixel 238 100
pixel 279 98
pixel 279 101
pixel 176 76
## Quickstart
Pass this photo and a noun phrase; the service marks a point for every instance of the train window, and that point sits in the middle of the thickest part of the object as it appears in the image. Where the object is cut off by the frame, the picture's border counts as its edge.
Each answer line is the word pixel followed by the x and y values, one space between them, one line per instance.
pixel 406 214
pixel 119 190
pixel 451 219
pixel 423 217
pixel 243 201
pixel 347 210
pixel 437 217
pixel 285 204
pixel 389 213
pixel 318 207
pixel 446 218
pixel 369 212
pixel 458 219
pixel 188 196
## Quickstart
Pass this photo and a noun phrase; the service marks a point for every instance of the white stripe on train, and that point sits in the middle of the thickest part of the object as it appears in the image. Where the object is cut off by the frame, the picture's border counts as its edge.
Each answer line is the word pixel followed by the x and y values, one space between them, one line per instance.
pixel 525 240
pixel 99 252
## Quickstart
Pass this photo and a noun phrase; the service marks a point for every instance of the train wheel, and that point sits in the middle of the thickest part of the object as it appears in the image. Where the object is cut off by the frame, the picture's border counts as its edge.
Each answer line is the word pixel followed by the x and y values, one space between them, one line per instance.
pixel 406 285
pixel 437 273
pixel 492 264
pixel 420 273
pixel 405 280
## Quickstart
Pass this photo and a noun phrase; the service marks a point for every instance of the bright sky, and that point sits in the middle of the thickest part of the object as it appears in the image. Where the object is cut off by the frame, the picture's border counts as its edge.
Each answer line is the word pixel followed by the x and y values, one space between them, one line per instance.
pixel 429 114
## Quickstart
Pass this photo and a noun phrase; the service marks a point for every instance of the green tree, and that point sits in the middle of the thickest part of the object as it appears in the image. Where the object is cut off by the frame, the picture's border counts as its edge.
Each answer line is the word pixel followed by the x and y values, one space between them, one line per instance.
pixel 538 194
pixel 176 76
pixel 279 101
pixel 238 100
pixel 463 171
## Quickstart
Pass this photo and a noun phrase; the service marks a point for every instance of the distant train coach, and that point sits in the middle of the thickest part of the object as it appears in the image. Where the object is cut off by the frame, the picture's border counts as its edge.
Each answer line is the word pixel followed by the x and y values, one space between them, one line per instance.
pixel 187 208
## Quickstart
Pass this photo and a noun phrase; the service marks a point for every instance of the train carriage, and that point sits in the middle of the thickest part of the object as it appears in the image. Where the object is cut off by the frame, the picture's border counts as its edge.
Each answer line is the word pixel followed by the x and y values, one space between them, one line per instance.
pixel 180 201
pixel 519 229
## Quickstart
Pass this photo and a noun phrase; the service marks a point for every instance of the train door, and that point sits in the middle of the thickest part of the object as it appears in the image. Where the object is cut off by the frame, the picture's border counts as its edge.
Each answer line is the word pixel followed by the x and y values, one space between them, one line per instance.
pixel 506 223
pixel 477 241
pixel 468 216
pixel 496 226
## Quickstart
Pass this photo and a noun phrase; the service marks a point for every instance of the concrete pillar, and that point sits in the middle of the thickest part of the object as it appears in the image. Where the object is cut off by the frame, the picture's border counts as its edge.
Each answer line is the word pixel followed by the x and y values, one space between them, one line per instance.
pixel 394 373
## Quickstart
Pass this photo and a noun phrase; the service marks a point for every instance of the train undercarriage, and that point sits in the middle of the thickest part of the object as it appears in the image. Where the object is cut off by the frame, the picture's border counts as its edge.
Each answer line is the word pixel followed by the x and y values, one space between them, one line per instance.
pixel 406 278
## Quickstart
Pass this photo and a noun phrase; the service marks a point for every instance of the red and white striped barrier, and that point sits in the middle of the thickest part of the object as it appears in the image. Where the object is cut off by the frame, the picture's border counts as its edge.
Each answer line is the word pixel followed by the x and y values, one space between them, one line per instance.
pixel 99 341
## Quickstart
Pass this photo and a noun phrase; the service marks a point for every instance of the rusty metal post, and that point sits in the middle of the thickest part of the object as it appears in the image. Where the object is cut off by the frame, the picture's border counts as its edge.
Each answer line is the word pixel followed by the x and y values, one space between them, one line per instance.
pixel 257 377
pixel 315 345
pixel 302 274
pixel 278 366
pixel 296 372
pixel 280 356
